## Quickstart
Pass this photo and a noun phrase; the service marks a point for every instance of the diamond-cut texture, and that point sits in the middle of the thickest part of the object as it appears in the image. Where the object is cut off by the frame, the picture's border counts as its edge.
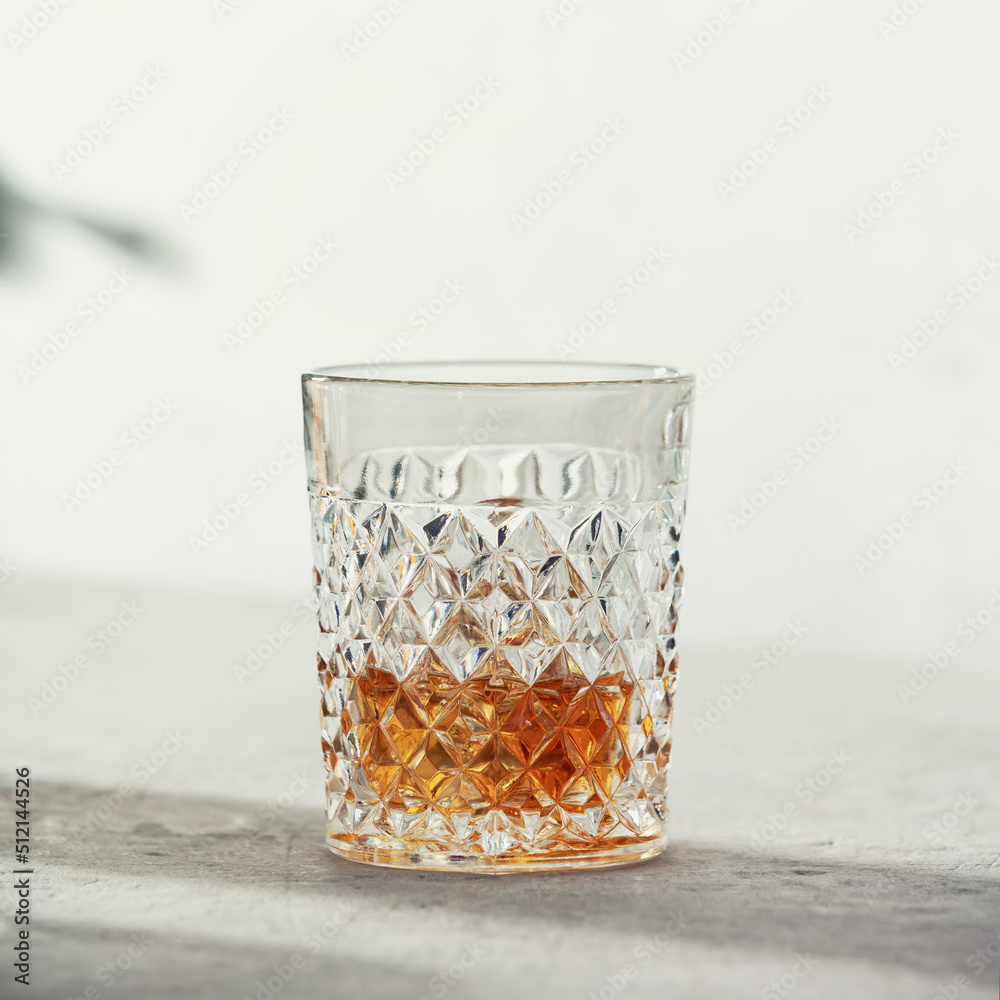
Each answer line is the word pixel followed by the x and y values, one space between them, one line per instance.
pixel 497 678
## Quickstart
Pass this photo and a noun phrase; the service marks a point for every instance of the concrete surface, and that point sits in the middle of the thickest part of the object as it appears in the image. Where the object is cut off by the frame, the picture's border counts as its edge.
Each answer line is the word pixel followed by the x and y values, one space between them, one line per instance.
pixel 883 881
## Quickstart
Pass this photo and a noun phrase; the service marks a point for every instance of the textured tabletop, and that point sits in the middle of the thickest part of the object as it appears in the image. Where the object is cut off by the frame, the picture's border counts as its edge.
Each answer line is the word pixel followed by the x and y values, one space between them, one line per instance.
pixel 834 830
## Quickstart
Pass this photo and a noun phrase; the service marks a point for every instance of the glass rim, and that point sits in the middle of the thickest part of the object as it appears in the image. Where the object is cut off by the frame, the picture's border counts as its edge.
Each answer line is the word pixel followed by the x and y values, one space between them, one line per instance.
pixel 415 373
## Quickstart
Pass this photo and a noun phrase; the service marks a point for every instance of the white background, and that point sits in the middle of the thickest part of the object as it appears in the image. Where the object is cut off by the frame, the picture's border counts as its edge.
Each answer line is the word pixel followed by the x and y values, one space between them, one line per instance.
pixel 324 175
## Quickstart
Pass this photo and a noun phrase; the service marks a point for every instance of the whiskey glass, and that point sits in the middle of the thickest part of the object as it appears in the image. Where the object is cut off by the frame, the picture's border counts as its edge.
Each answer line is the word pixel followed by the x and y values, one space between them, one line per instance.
pixel 496 555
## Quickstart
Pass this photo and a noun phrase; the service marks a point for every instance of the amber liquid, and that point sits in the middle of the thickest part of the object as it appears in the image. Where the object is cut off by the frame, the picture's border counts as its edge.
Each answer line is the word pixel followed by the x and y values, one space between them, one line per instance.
pixel 495 743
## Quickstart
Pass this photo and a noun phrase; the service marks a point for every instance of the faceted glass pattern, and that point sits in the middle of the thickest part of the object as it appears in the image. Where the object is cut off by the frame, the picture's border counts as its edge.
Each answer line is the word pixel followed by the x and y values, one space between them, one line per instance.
pixel 497 677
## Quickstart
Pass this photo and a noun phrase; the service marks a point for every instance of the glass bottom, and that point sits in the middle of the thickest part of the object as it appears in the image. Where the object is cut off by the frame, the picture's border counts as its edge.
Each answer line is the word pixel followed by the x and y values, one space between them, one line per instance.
pixel 500 864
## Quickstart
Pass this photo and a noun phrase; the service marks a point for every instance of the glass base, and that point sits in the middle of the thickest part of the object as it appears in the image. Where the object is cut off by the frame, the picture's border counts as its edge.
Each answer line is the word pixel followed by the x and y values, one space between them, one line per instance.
pixel 501 864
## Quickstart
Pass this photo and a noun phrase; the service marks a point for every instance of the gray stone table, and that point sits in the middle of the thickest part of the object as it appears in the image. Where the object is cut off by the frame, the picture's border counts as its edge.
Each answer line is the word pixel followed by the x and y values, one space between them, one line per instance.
pixel 827 840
